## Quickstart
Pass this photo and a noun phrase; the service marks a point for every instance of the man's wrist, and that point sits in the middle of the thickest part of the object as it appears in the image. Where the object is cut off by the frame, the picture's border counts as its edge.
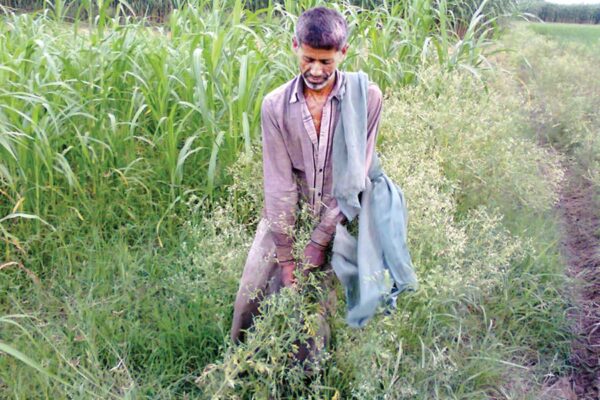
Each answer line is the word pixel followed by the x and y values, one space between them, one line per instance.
pixel 284 254
pixel 321 237
pixel 319 246
pixel 288 264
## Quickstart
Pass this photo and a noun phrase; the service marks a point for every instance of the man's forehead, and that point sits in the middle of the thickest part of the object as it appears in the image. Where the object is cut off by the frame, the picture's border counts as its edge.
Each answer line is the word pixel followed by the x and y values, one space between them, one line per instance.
pixel 317 54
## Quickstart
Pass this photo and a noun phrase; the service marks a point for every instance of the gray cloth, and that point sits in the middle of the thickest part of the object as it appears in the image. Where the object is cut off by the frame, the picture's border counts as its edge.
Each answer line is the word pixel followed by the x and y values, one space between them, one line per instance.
pixel 350 144
pixel 361 263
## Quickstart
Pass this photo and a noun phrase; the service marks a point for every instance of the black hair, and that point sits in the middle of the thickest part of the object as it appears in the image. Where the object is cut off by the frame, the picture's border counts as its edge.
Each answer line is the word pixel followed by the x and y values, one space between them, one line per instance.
pixel 322 28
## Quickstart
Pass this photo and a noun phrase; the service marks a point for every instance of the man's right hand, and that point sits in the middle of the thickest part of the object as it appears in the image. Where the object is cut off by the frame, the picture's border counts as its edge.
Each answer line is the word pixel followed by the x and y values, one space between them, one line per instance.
pixel 287 273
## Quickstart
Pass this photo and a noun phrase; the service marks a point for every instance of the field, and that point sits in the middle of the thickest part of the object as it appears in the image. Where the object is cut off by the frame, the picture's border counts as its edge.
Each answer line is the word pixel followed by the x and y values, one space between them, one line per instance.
pixel 130 191
pixel 585 34
pixel 564 92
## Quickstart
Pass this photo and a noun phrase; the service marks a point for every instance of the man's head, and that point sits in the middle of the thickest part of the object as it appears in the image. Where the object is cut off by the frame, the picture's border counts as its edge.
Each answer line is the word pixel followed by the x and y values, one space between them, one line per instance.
pixel 320 44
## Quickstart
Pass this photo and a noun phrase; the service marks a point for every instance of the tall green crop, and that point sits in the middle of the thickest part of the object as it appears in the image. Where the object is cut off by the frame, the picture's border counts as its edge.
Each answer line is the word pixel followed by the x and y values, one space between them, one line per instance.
pixel 108 107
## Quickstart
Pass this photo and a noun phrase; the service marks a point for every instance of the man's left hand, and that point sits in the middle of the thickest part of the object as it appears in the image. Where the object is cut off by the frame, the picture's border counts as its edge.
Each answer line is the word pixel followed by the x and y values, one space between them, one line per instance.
pixel 314 256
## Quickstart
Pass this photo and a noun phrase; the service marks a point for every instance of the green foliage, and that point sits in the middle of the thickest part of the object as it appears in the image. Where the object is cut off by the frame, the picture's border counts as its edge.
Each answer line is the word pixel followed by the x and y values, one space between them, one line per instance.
pixel 585 34
pixel 159 10
pixel 130 313
pixel 130 183
pixel 111 120
pixel 573 13
pixel 265 365
pixel 481 237
pixel 131 319
pixel 567 113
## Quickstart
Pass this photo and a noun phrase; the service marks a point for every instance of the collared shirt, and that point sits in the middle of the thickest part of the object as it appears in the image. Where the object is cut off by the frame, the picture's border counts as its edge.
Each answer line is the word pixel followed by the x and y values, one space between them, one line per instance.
pixel 297 162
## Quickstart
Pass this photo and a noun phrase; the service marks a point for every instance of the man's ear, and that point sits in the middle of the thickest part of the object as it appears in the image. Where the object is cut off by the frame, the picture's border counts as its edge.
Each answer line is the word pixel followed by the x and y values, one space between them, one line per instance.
pixel 344 52
pixel 345 49
pixel 295 45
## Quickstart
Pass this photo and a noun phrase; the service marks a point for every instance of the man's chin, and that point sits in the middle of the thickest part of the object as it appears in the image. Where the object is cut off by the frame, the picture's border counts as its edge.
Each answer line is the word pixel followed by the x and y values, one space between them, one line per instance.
pixel 315 86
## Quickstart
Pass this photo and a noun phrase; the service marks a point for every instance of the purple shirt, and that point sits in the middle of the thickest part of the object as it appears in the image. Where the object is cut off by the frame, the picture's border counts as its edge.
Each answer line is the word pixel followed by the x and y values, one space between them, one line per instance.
pixel 297 161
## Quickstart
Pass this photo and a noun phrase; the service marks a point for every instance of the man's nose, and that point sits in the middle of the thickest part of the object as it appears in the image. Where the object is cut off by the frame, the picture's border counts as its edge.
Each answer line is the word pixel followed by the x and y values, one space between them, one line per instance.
pixel 316 70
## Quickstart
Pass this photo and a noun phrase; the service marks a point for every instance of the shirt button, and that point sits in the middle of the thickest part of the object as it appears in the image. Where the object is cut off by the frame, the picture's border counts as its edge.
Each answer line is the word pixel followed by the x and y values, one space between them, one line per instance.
pixel 320 169
pixel 319 194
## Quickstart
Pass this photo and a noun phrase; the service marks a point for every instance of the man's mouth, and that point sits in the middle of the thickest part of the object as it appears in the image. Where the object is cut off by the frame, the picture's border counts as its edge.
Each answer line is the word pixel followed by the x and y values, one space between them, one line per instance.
pixel 315 80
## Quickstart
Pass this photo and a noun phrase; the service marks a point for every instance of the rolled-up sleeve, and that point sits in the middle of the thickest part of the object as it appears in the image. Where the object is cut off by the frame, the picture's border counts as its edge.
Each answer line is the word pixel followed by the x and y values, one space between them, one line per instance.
pixel 280 188
pixel 325 230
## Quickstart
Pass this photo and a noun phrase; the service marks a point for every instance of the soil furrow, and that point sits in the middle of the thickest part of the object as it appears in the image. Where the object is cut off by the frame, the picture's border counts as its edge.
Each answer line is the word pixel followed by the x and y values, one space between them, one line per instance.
pixel 581 245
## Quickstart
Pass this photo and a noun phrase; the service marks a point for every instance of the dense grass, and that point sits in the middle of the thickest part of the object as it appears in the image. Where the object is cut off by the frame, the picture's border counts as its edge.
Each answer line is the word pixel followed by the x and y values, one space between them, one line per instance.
pixel 484 240
pixel 585 34
pixel 135 319
pixel 139 150
pixel 568 112
pixel 118 125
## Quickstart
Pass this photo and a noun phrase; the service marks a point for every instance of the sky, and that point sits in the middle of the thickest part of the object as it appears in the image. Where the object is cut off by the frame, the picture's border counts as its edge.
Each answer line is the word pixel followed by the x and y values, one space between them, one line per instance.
pixel 574 1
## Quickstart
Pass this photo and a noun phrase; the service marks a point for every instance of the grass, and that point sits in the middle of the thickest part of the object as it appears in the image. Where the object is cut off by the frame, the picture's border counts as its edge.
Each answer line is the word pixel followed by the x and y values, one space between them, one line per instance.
pixel 585 34
pixel 567 111
pixel 113 123
pixel 485 244
pixel 139 152
pixel 136 320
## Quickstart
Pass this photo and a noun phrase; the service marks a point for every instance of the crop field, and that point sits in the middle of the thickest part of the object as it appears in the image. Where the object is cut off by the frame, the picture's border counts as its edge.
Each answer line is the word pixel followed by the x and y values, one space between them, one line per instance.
pixel 130 190
pixel 562 83
pixel 586 34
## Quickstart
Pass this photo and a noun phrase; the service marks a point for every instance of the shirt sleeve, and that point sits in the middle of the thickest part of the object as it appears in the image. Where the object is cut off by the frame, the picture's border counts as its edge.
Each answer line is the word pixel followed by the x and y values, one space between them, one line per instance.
pixel 325 230
pixel 280 188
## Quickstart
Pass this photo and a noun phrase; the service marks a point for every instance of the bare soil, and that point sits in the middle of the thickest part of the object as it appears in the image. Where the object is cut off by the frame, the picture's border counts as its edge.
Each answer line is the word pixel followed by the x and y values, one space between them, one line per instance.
pixel 580 214
pixel 581 243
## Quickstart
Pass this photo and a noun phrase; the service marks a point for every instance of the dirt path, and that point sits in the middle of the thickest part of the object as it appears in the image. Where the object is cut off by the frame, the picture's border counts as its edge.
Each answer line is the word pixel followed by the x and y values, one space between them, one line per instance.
pixel 580 222
pixel 580 216
pixel 579 213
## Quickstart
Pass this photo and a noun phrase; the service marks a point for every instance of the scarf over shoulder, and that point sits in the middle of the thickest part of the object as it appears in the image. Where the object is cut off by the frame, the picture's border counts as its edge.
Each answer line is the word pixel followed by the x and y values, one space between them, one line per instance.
pixel 361 263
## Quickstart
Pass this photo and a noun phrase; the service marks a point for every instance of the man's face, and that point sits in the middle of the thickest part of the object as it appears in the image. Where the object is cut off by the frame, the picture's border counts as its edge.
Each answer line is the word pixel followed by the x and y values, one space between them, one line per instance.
pixel 318 66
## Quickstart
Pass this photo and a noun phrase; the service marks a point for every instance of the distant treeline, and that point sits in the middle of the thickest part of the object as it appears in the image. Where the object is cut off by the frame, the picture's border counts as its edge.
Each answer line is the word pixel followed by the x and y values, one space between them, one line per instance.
pixel 578 14
pixel 158 10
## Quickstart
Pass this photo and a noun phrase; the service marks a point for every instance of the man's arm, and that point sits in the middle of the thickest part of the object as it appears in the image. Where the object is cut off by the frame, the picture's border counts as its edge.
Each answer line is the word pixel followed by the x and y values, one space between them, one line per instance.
pixel 280 189
pixel 325 230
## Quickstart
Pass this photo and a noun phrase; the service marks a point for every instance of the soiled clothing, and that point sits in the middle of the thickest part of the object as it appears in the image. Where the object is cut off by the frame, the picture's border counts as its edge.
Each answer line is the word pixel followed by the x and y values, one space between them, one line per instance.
pixel 297 166
pixel 297 162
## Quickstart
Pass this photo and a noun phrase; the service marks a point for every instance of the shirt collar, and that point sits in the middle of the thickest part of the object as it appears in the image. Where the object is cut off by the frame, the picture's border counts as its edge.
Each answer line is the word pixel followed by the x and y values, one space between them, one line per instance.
pixel 338 90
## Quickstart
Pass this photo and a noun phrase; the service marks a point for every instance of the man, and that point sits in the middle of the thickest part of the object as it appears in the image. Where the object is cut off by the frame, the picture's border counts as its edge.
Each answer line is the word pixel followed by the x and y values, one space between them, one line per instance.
pixel 298 123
